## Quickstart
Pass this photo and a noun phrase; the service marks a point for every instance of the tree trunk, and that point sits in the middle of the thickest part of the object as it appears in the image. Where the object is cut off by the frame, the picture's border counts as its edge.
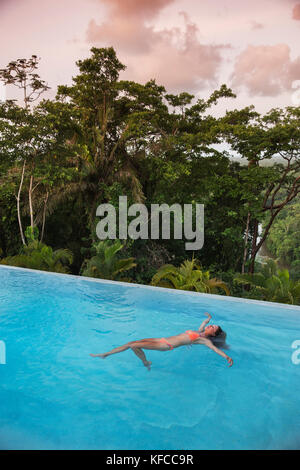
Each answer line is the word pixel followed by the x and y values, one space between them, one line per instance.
pixel 246 243
pixel 18 203
pixel 254 248
pixel 30 201
pixel 262 239
pixel 44 215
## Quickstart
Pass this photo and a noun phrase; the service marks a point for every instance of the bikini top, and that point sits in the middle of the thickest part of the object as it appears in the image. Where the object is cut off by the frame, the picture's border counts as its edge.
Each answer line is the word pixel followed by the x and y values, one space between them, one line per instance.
pixel 194 334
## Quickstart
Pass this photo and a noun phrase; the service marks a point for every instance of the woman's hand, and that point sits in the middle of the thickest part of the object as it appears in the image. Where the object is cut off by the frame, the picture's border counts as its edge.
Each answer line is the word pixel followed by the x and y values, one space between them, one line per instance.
pixel 229 360
pixel 210 345
pixel 204 323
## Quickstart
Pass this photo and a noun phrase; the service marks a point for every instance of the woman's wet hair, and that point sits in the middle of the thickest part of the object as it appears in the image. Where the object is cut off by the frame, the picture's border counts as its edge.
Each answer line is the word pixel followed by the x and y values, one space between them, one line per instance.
pixel 219 331
pixel 219 339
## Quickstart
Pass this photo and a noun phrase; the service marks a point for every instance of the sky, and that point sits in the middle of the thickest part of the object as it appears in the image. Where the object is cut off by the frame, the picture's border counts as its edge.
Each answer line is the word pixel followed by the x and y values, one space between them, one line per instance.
pixel 186 45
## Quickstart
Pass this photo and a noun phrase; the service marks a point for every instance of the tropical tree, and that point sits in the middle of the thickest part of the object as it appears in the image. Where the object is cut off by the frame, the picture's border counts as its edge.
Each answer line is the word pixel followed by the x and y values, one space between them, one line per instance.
pixel 271 284
pixel 270 188
pixel 102 111
pixel 188 276
pixel 22 74
pixel 106 264
pixel 35 148
pixel 129 133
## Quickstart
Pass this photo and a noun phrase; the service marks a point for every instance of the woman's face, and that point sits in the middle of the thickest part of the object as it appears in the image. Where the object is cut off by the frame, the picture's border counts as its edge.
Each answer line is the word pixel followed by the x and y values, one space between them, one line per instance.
pixel 211 330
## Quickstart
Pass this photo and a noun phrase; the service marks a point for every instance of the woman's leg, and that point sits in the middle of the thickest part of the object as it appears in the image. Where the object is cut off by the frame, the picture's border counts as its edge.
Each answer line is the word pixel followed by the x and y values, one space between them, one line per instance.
pixel 149 343
pixel 141 355
pixel 113 351
pixel 137 344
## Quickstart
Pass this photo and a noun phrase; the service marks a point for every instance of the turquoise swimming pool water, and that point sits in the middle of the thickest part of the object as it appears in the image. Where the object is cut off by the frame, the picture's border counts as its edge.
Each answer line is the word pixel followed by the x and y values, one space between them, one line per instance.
pixel 53 395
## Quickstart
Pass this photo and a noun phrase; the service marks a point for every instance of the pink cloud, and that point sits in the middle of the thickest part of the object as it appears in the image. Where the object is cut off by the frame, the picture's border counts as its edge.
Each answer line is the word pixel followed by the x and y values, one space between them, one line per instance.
pixel 174 57
pixel 186 66
pixel 296 12
pixel 266 70
pixel 128 35
pixel 137 8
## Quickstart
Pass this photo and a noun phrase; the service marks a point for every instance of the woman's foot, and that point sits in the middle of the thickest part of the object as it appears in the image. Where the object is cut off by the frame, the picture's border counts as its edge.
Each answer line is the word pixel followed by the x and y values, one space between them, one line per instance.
pixel 148 364
pixel 103 356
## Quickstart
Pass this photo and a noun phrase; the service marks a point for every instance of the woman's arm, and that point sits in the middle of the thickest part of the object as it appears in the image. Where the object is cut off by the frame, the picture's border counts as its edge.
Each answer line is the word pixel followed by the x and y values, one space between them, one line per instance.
pixel 204 323
pixel 210 345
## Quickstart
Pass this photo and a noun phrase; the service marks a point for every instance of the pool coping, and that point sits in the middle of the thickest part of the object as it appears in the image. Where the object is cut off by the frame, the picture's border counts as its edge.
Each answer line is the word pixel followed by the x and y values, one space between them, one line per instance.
pixel 162 289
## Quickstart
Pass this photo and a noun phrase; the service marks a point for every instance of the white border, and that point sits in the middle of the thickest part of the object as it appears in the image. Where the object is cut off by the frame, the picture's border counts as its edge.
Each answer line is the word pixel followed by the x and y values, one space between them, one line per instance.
pixel 163 289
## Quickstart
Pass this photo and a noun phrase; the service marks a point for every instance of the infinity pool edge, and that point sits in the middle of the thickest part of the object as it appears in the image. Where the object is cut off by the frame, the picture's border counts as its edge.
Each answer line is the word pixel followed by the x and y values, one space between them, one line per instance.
pixel 156 288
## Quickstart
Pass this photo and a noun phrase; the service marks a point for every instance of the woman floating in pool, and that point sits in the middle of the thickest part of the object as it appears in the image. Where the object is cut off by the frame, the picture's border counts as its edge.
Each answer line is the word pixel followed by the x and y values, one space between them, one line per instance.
pixel 206 335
